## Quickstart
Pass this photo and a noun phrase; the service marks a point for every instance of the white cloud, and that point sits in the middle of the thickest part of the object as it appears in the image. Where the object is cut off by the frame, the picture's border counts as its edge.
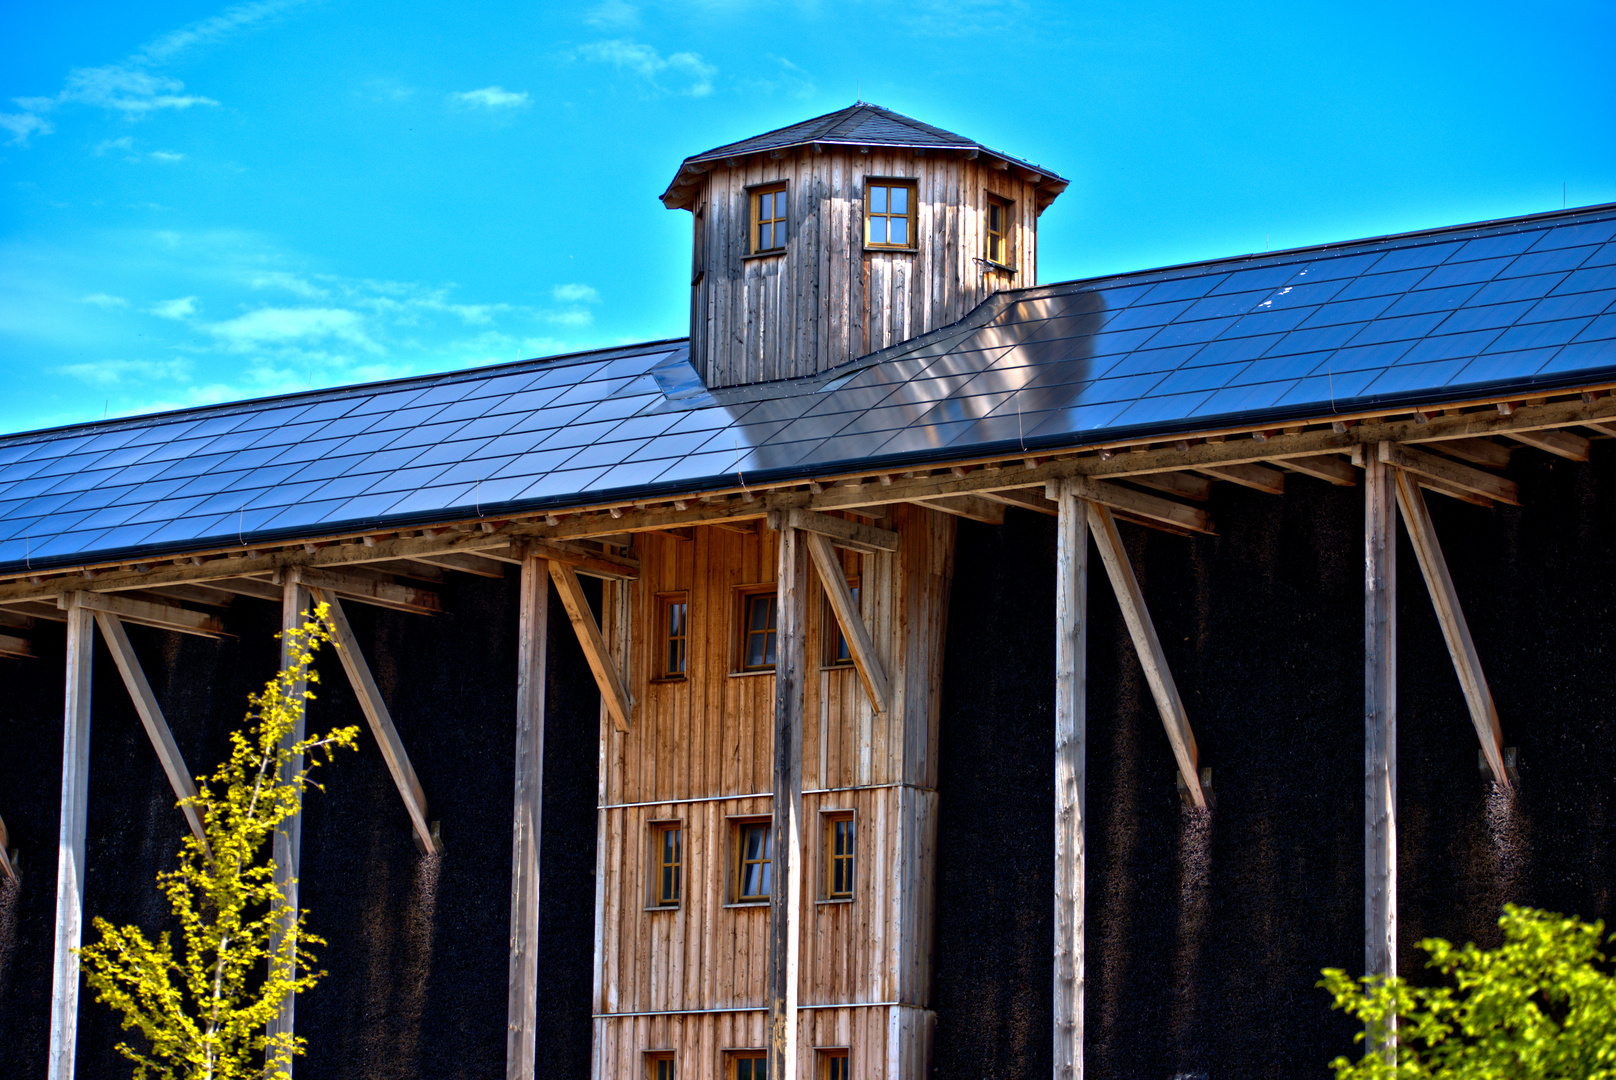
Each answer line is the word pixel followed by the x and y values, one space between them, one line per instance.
pixel 22 125
pixel 283 326
pixel 576 294
pixel 182 308
pixel 166 155
pixel 104 300
pixel 572 317
pixel 113 372
pixel 786 78
pixel 121 88
pixel 691 74
pixel 613 14
pixel 491 97
pixel 280 279
pixel 212 29
pixel 126 144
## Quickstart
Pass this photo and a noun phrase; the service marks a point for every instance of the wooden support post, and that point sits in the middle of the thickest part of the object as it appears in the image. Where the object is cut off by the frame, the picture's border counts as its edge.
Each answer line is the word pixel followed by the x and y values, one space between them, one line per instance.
pixel 1380 718
pixel 70 842
pixel 612 690
pixel 380 720
pixel 521 1005
pixel 151 716
pixel 785 893
pixel 1071 689
pixel 288 842
pixel 1151 657
pixel 1450 616
pixel 854 632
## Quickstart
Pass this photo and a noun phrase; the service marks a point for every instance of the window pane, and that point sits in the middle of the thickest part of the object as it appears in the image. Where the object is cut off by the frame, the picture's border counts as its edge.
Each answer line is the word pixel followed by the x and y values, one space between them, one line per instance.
pixel 765 237
pixel 878 199
pixel 900 230
pixel 900 200
pixel 758 614
pixel 878 230
pixel 766 206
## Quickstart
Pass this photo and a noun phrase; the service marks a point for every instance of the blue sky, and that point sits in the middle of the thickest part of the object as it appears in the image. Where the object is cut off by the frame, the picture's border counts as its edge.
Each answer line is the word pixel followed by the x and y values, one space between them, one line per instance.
pixel 201 202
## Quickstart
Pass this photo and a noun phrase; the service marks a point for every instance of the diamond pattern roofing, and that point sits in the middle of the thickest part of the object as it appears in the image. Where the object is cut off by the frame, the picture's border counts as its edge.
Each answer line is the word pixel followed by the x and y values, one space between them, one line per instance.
pixel 1416 319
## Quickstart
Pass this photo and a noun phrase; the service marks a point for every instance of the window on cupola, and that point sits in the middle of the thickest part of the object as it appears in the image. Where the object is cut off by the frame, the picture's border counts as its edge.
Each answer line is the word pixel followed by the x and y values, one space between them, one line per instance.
pixel 889 214
pixel 998 231
pixel 768 219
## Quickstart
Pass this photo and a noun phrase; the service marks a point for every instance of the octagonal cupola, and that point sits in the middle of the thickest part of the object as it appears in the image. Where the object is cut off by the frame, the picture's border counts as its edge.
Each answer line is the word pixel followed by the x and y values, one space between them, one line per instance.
pixel 840 236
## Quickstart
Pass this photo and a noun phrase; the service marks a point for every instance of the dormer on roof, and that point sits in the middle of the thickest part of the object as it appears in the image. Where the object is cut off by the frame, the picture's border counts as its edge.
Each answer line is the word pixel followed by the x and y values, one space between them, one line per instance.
pixel 834 238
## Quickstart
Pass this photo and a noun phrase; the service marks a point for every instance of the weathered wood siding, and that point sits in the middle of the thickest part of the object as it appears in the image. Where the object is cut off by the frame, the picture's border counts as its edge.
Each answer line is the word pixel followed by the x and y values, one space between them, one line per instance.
pixel 826 300
pixel 699 751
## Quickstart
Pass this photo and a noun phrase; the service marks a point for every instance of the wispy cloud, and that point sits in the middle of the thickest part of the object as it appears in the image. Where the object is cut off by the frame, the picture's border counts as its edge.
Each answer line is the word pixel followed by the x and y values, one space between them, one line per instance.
pixel 781 76
pixel 115 372
pixel 289 282
pixel 613 15
pixel 491 97
pixel 22 125
pixel 576 294
pixel 165 155
pixel 212 29
pixel 182 308
pixel 279 326
pixel 680 72
pixel 126 144
pixel 105 300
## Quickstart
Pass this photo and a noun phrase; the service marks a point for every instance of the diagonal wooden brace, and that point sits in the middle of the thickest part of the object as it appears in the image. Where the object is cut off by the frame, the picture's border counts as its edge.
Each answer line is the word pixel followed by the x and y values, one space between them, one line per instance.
pixel 854 631
pixel 612 690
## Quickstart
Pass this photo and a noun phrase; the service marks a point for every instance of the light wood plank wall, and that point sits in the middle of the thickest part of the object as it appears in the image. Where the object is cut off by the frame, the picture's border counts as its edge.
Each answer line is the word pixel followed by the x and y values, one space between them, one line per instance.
pixel 827 300
pixel 699 751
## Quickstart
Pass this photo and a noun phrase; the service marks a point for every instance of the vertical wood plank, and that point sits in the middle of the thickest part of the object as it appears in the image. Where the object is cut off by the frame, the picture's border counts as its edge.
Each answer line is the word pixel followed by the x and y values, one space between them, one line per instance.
pixel 70 843
pixel 785 894
pixel 1071 689
pixel 532 625
pixel 1380 720
pixel 288 844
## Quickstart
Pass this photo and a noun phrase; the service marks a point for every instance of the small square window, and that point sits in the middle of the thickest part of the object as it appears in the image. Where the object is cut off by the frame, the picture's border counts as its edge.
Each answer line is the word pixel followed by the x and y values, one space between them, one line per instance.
pixel 673 634
pixel 998 232
pixel 759 618
pixel 833 1065
pixel 889 214
pixel 837 654
pixel 748 1065
pixel 840 854
pixel 754 852
pixel 667 862
pixel 768 219
pixel 659 1065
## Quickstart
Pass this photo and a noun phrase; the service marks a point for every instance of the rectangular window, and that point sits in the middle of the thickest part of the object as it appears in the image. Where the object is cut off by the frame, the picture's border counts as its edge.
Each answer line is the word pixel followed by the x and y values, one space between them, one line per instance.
pixel 659 1065
pixel 839 855
pixel 698 247
pixel 754 849
pixel 759 616
pixel 833 1065
pixel 836 650
pixel 748 1065
pixel 673 616
pixel 889 214
pixel 667 862
pixel 769 219
pixel 998 231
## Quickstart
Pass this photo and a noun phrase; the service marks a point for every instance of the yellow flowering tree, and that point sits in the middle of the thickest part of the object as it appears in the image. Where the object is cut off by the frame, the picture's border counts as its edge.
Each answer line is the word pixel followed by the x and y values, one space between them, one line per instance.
pixel 203 1009
pixel 1541 1006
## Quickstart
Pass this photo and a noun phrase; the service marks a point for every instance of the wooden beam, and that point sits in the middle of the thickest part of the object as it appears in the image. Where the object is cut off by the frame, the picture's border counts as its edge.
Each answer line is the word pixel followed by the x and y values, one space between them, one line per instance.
pixel 1137 503
pixel 1024 498
pixel 1452 492
pixel 1449 472
pixel 367 590
pixel 1071 736
pixel 1256 477
pixel 1131 599
pixel 854 632
pixel 16 620
pixel 1184 485
pixel 971 507
pixel 69 928
pixel 1330 468
pixel 594 563
pixel 243 586
pixel 465 562
pixel 37 610
pixel 15 646
pixel 287 847
pixel 8 864
pixel 1560 443
pixel 147 613
pixel 533 619
pixel 785 893
pixel 379 718
pixel 206 595
pixel 1602 429
pixel 612 690
pixel 853 535
pixel 1380 719
pixel 1476 451
pixel 1455 630
pixel 151 718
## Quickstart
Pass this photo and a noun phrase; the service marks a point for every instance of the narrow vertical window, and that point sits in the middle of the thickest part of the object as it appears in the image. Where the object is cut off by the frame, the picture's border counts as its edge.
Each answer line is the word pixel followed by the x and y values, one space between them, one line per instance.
pixel 754 851
pixel 759 616
pixel 889 214
pixel 659 1065
pixel 769 219
pixel 839 856
pixel 667 862
pixel 833 1065
pixel 673 619
pixel 749 1065
pixel 698 249
pixel 837 653
pixel 998 231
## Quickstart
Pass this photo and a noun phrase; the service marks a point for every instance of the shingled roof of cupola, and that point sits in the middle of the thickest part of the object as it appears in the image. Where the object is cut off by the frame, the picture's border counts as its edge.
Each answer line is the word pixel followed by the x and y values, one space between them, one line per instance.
pixel 858 125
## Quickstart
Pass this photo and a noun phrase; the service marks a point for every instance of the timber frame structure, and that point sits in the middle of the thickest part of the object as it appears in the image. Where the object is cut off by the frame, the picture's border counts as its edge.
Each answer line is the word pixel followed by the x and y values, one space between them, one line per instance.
pixel 875 539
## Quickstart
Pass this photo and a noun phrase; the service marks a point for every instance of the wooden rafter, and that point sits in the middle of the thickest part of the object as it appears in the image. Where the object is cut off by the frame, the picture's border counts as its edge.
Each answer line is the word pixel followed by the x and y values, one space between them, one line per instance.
pixel 1250 475
pixel 147 613
pixel 854 632
pixel 852 535
pixel 380 719
pixel 1024 498
pixel 369 590
pixel 1184 485
pixel 616 696
pixel 15 646
pixel 970 507
pixel 1559 443
pixel 1330 468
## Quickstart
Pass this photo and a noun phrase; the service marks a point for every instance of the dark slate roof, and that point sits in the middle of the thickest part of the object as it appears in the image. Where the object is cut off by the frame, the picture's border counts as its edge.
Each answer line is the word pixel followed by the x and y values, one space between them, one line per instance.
pixel 861 124
pixel 1524 304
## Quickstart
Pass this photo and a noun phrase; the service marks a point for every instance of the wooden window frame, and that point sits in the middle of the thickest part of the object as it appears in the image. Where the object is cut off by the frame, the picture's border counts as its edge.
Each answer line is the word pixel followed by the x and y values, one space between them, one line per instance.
pixel 739 825
pixel 824 1055
pixel 754 223
pixel 1008 263
pixel 827 846
pixel 662 637
pixel 653 1057
pixel 698 253
pixel 832 640
pixel 913 246
pixel 742 607
pixel 733 1058
pixel 656 830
